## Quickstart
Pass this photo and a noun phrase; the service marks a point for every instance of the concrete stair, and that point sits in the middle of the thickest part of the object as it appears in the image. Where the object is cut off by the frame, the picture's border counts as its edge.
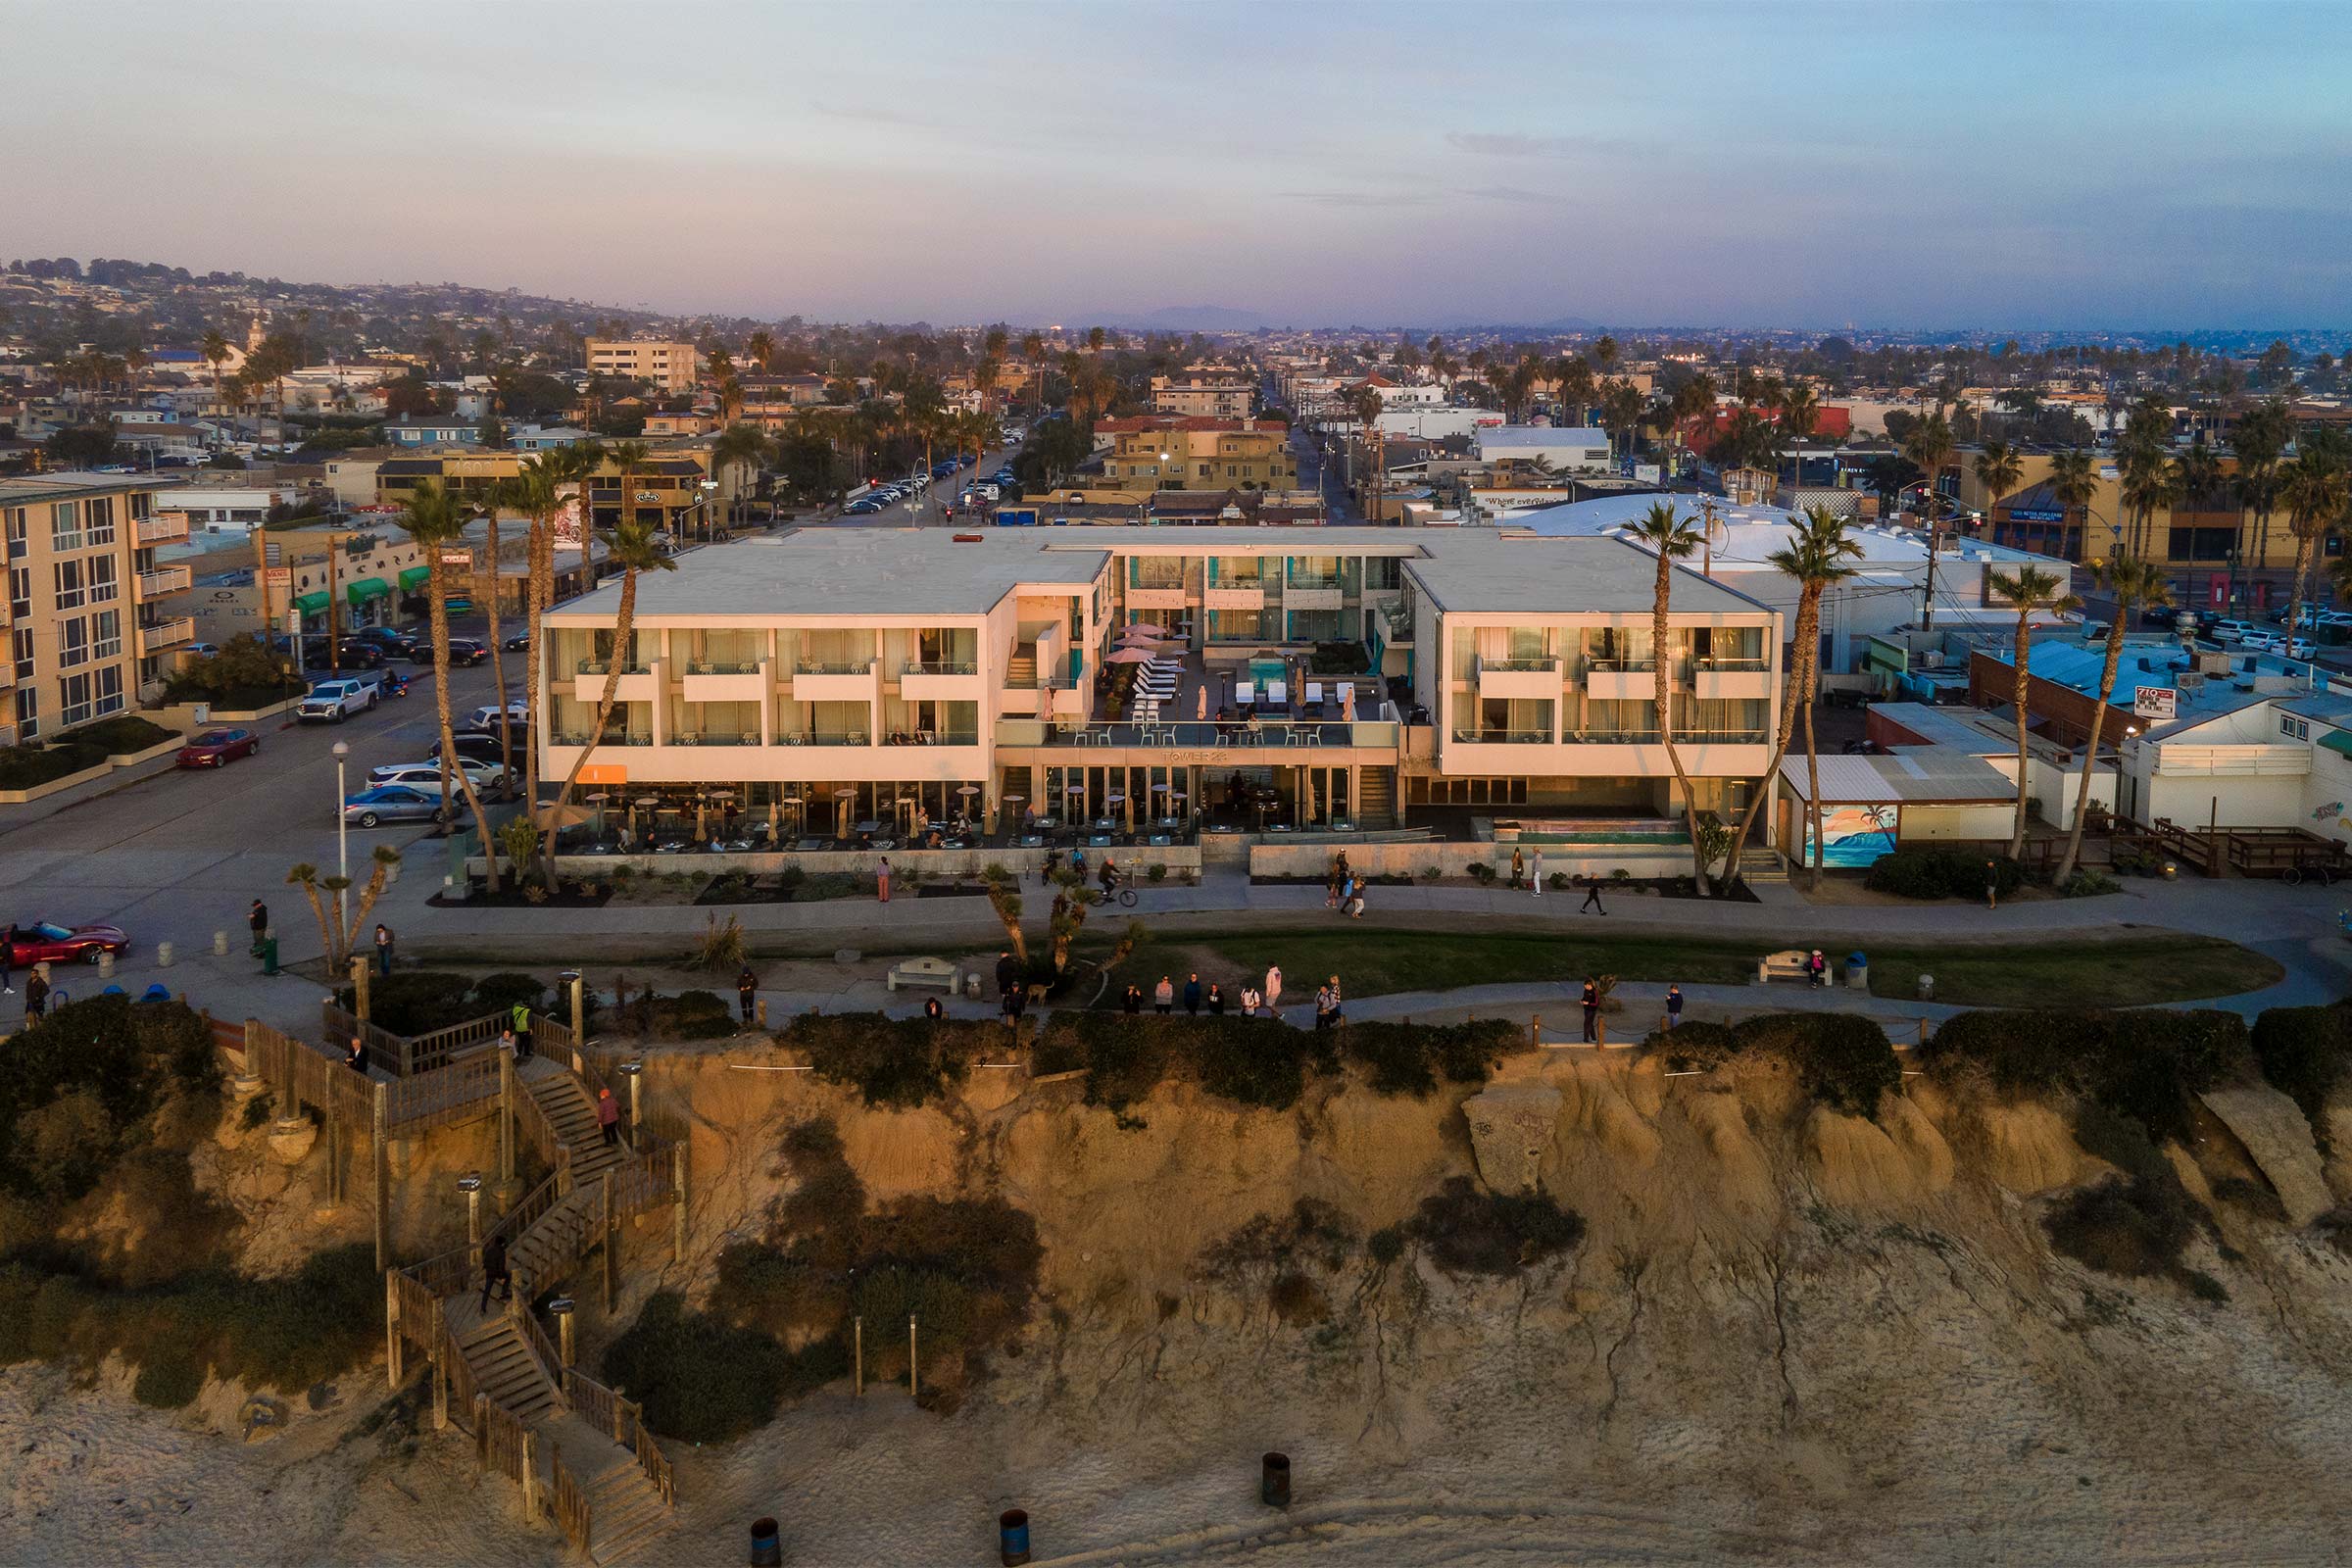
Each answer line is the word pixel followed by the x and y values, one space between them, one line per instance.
pixel 1376 797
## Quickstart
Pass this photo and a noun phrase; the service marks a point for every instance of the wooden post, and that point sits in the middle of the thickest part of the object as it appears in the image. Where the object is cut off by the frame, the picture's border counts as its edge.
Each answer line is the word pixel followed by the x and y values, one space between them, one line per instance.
pixel 481 1430
pixel 760 1011
pixel 473 1214
pixel 381 1117
pixel 391 1331
pixel 1601 1027
pixel 579 1010
pixel 563 1338
pixel 637 1108
pixel 440 1395
pixel 505 1121
pixel 334 1165
pixel 677 1189
pixel 1923 1029
pixel 530 1475
pixel 1535 1029
pixel 857 1356
pixel 359 989
pixel 612 1242
pixel 911 1388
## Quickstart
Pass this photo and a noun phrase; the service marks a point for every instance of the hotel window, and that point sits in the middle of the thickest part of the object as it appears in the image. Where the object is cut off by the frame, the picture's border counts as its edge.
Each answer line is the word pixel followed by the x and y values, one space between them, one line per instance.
pixel 142 506
pixel 103 581
pixel 15 533
pixel 73 693
pixel 21 646
pixel 2290 726
pixel 106 634
pixel 100 529
pixel 65 526
pixel 20 591
pixel 109 690
pixel 68 582
pixel 29 712
pixel 72 643
pixel 1383 573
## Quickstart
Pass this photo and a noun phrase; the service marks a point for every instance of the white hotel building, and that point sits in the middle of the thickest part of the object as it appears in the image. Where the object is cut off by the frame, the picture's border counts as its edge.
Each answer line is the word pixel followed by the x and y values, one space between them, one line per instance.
pixel 847 669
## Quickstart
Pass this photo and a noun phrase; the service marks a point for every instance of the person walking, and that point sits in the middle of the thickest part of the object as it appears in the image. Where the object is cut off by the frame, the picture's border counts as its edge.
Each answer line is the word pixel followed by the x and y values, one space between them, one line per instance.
pixel 1192 994
pixel 1330 889
pixel 384 949
pixel 1045 869
pixel 1163 994
pixel 36 994
pixel 1674 1006
pixel 1992 886
pixel 1592 1002
pixel 1337 1003
pixel 1252 1001
pixel 1535 880
pixel 1518 869
pixel 1591 897
pixel 496 1272
pixel 746 993
pixel 1216 1001
pixel 257 920
pixel 8 960
pixel 1274 991
pixel 1132 1003
pixel 882 881
pixel 1355 903
pixel 522 1016
pixel 608 1116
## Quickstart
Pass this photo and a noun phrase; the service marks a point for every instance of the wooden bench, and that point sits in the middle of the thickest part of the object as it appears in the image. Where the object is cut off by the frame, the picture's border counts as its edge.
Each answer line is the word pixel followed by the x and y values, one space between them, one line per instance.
pixel 1785 965
pixel 924 972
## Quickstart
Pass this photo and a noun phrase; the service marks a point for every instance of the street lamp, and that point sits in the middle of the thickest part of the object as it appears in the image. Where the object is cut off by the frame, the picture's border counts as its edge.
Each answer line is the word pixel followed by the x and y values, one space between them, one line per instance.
pixel 342 835
pixel 710 489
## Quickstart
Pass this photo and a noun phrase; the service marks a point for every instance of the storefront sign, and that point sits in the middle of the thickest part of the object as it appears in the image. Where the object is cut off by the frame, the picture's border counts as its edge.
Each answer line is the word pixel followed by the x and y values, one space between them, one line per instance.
pixel 2155 702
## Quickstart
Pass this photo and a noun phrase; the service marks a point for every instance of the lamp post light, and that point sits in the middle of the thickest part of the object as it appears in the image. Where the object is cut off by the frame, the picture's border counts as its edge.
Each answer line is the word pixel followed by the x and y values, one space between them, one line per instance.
pixel 561 1311
pixel 710 490
pixel 471 1186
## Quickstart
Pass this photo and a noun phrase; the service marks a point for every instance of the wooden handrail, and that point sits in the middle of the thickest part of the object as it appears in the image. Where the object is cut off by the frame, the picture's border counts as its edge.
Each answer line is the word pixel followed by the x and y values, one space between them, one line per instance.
pixel 571 1503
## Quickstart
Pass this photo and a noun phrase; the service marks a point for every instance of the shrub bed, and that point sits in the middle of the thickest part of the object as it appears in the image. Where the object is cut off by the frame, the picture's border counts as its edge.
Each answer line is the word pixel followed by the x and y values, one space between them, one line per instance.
pixel 1252 1061
pixel 1410 1058
pixel 24 768
pixel 1924 873
pixel 703 1379
pixel 120 735
pixel 75 1086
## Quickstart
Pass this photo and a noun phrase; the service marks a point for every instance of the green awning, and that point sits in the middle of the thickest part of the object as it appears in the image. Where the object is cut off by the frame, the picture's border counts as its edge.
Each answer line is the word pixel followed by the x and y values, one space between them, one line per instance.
pixel 414 578
pixel 312 603
pixel 2339 740
pixel 367 588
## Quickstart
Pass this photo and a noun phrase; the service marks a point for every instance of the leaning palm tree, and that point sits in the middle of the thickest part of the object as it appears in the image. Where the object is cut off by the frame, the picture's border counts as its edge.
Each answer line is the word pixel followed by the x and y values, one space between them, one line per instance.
pixel 1816 557
pixel 436 519
pixel 1667 531
pixel 633 551
pixel 2027 591
pixel 1997 470
pixel 2259 440
pixel 2137 585
pixel 536 491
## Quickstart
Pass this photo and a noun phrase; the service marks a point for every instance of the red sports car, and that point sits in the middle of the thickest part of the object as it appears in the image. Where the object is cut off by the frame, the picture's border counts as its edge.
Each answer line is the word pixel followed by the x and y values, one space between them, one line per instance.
pixel 217 745
pixel 49 943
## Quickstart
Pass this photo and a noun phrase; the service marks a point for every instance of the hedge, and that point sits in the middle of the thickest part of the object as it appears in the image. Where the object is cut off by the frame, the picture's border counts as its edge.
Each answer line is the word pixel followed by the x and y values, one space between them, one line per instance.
pixel 1843 1059
pixel 898 1062
pixel 1924 873
pixel 2302 1051
pixel 2142 1063
pixel 125 1055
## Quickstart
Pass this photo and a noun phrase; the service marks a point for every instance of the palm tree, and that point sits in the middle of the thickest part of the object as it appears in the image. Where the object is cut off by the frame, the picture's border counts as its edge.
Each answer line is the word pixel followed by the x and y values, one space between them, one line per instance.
pixel 2313 488
pixel 1816 555
pixel 1997 470
pixel 738 446
pixel 633 551
pixel 1033 349
pixel 1366 405
pixel 2137 584
pixel 2147 484
pixel 626 456
pixel 2073 480
pixel 436 519
pixel 2259 440
pixel 1929 446
pixel 1800 412
pixel 2028 590
pixel 1666 530
pixel 761 346
pixel 1621 410
pixel 215 353
pixel 535 492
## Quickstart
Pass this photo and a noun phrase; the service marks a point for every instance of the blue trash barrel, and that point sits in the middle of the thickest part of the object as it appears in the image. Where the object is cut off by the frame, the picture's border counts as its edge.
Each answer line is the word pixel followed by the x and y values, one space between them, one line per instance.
pixel 1013 1536
pixel 767 1551
pixel 1857 970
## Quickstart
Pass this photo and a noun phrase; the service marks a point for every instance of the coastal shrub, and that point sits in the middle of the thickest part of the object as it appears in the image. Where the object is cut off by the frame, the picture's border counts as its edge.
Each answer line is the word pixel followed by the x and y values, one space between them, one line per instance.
pixel 75 1085
pixel 703 1380
pixel 2302 1051
pixel 1467 1230
pixel 416 1002
pixel 1312 1233
pixel 2133 1227
pixel 1480 870
pixel 1843 1059
pixel 506 990
pixel 120 735
pixel 691 1016
pixel 895 1062
pixel 1931 874
pixel 2144 1063
pixel 24 768
pixel 1409 1058
pixel 1251 1061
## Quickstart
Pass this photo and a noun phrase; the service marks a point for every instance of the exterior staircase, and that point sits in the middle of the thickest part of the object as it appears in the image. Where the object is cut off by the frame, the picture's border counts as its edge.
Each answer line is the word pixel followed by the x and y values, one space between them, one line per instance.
pixel 1376 797
pixel 1020 669
pixel 580 1450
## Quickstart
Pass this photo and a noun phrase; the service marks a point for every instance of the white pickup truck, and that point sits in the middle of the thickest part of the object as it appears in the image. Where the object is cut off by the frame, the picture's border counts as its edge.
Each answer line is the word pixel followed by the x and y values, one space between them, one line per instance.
pixel 335 701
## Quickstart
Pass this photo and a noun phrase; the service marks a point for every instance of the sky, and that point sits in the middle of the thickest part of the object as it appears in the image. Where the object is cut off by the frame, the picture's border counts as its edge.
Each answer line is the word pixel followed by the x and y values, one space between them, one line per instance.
pixel 1885 164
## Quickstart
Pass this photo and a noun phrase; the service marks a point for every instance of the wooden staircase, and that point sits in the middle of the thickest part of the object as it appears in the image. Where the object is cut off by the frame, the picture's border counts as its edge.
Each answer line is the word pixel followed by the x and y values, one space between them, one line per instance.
pixel 579 1449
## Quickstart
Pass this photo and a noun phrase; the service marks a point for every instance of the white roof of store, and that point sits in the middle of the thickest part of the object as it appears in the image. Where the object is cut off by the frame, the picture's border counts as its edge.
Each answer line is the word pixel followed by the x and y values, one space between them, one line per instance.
pixel 1748 535
pixel 1917 775
pixel 1538 435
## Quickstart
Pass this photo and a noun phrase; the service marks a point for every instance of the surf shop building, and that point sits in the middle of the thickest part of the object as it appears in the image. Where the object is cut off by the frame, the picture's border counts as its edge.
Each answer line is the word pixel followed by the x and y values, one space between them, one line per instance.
pixel 1872 805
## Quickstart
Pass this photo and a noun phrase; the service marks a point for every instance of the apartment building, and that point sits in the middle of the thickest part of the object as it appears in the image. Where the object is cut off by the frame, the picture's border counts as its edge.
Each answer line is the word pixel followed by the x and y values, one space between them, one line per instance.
pixel 838 672
pixel 92 616
pixel 1205 391
pixel 665 488
pixel 671 367
pixel 1174 452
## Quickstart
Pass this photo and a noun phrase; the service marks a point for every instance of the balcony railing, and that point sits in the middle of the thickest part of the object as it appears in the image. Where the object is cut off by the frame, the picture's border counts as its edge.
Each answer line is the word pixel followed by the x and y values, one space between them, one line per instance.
pixel 1314 579
pixel 161 531
pixel 1199 735
pixel 1503 737
pixel 1626 667
pixel 822 667
pixel 940 666
pixel 166 634
pixel 855 737
pixel 1526 665
pixel 722 666
pixel 1736 666
pixel 1158 577
pixel 612 738
pixel 165 580
pixel 714 737
pixel 603 666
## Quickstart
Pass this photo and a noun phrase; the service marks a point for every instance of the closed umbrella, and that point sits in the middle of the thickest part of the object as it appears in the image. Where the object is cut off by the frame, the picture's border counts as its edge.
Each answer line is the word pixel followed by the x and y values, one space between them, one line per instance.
pixel 1348 702
pixel 1199 702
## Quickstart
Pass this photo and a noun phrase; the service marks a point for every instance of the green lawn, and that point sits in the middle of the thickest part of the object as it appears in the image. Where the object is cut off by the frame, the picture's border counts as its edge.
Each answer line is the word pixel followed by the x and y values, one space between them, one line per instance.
pixel 1371 963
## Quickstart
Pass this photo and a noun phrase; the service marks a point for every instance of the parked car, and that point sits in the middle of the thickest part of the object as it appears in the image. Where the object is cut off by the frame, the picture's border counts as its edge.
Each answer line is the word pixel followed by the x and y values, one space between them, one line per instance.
pixel 476 745
pixel 392 802
pixel 518 642
pixel 2229 631
pixel 462 651
pixel 395 643
pixel 215 747
pixel 483 773
pixel 863 506
pixel 2301 647
pixel 46 942
pixel 332 701
pixel 487 716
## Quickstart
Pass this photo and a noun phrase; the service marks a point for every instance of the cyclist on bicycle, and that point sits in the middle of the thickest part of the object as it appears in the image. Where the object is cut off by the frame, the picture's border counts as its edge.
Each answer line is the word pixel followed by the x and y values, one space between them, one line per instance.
pixel 1110 876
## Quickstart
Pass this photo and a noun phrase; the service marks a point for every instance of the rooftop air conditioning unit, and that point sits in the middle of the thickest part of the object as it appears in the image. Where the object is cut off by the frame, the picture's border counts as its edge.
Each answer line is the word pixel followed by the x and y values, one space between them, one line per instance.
pixel 1932 659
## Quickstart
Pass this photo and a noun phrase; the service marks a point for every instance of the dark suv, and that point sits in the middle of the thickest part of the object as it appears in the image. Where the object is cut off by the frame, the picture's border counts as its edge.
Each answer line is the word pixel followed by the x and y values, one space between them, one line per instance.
pixel 462 651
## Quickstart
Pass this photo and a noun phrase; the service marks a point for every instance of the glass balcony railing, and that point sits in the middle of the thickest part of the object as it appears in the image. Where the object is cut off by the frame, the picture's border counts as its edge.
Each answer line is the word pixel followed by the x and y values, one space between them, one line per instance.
pixel 612 738
pixel 1503 737
pixel 715 738
pixel 722 666
pixel 1524 666
pixel 940 666
pixel 1621 666
pixel 603 666
pixel 1314 579
pixel 832 666
pixel 1739 666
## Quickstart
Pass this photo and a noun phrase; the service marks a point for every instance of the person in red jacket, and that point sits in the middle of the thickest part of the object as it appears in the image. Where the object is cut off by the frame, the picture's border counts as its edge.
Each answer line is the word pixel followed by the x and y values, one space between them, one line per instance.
pixel 608 1115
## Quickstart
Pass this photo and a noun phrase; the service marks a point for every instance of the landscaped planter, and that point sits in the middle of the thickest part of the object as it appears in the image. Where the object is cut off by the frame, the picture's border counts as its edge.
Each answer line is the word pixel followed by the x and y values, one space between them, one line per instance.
pixel 64 782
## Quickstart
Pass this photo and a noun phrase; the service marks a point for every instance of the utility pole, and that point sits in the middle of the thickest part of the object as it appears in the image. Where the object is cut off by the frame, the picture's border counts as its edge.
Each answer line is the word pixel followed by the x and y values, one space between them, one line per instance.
pixel 1927 599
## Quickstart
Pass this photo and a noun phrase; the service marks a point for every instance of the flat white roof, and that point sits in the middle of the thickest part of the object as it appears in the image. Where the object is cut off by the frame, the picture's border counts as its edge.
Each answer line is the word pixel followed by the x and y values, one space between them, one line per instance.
pixel 1748 535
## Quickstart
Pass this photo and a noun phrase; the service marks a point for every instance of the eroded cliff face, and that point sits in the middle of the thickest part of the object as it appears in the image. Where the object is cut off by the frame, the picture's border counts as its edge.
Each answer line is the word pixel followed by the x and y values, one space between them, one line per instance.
pixel 1784 1333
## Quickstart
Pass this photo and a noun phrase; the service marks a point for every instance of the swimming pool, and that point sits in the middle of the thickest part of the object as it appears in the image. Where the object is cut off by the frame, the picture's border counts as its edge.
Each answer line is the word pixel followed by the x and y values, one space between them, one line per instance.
pixel 1647 830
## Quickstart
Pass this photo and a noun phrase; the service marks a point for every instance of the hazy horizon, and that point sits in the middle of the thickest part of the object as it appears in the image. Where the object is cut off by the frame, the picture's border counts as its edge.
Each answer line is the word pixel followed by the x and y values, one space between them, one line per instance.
pixel 2082 169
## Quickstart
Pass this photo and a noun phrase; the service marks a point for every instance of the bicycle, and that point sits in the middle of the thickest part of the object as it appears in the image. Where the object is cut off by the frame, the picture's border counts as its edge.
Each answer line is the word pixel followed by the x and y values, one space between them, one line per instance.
pixel 1121 893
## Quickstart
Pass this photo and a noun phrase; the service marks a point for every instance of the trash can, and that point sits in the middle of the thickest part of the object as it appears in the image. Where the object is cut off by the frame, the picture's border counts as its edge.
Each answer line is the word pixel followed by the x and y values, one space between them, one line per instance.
pixel 269 955
pixel 1927 987
pixel 1857 971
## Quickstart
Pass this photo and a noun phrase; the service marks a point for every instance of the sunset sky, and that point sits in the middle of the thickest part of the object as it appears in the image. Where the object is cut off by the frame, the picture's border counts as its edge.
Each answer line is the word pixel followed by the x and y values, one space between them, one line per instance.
pixel 1881 165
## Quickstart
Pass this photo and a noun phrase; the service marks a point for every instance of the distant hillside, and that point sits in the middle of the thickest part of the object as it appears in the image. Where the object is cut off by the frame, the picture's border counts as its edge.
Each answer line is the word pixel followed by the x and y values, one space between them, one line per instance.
pixel 1196 319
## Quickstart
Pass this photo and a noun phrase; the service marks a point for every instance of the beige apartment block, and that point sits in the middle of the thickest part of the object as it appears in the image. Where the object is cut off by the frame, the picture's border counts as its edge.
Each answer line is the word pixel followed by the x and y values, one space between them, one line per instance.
pixel 671 367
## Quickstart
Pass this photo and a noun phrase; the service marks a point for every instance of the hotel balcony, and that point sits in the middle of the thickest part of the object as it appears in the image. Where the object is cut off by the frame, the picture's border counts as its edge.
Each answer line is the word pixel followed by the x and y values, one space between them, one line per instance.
pixel 1519 677
pixel 163 634
pixel 162 529
pixel 1732 680
pixel 1621 681
pixel 856 681
pixel 1155 598
pixel 161 581
pixel 939 680
pixel 1250 597
pixel 725 682
pixel 639 683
